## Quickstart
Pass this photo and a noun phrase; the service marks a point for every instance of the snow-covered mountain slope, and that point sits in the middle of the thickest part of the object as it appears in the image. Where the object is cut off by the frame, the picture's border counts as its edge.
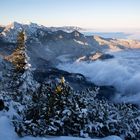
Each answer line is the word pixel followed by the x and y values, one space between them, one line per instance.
pixel 117 44
pixel 50 43
pixel 45 46
pixel 38 33
pixel 9 32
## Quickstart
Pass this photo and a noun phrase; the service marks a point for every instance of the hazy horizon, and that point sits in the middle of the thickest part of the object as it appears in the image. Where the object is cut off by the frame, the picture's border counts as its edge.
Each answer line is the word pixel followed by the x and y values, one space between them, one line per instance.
pixel 100 15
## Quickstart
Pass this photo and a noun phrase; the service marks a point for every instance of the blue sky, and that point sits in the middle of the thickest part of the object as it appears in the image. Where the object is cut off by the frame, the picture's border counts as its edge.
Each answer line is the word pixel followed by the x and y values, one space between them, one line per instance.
pixel 97 14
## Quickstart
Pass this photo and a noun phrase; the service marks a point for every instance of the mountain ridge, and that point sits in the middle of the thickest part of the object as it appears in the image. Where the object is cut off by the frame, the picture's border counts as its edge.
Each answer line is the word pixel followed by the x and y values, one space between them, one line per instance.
pixel 53 46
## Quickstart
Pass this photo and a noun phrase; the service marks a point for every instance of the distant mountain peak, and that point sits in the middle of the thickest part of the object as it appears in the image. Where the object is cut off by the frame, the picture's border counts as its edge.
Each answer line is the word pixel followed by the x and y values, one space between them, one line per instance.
pixel 13 25
pixel 18 25
pixel 76 33
pixel 2 26
pixel 67 28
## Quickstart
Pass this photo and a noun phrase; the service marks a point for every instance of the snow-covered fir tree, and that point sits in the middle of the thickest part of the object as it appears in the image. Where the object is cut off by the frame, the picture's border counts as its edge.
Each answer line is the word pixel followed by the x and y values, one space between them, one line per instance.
pixel 19 57
pixel 17 74
pixel 56 109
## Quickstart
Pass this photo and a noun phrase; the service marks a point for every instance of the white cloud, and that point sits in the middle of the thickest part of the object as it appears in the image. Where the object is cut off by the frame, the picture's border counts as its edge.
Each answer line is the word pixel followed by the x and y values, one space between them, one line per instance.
pixel 123 72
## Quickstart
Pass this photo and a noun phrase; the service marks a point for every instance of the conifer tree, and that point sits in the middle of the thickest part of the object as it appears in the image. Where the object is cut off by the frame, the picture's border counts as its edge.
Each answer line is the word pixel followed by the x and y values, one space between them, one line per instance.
pixel 20 76
pixel 19 57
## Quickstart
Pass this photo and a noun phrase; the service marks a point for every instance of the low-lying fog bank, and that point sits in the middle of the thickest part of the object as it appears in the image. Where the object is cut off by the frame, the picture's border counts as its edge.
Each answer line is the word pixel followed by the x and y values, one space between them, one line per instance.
pixel 123 72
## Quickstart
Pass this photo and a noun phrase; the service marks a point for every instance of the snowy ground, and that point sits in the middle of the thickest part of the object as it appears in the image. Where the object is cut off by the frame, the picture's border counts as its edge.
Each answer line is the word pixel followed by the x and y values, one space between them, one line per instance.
pixel 7 133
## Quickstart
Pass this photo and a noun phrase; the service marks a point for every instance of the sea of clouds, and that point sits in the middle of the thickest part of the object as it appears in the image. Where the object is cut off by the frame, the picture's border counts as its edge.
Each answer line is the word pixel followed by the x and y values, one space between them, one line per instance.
pixel 123 72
